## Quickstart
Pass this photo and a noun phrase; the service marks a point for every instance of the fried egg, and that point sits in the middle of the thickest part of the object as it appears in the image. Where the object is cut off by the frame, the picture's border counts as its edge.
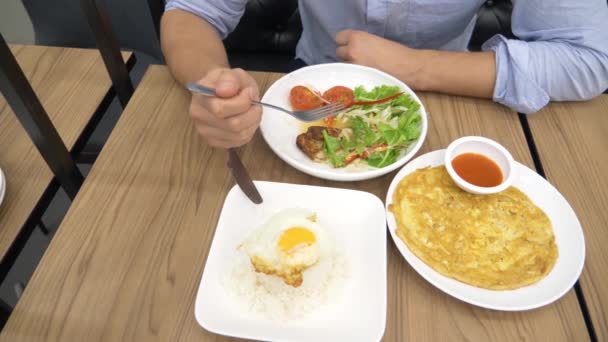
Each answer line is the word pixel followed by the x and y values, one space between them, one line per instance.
pixel 287 244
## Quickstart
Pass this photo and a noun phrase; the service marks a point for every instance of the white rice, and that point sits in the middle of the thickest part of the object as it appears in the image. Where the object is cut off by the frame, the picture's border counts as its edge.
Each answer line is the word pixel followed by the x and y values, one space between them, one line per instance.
pixel 269 297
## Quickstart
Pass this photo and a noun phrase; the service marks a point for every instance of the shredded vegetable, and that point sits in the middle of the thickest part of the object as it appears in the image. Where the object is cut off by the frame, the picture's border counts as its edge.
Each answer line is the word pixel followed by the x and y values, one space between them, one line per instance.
pixel 394 125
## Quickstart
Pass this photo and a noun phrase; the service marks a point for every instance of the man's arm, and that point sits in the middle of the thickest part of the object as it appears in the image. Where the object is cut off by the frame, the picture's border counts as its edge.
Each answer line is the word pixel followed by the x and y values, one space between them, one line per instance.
pixel 191 46
pixel 552 61
pixel 194 52
pixel 459 73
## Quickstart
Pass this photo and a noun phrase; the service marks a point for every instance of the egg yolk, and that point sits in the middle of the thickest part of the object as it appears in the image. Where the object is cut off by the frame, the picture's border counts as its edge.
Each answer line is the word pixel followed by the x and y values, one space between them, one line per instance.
pixel 295 236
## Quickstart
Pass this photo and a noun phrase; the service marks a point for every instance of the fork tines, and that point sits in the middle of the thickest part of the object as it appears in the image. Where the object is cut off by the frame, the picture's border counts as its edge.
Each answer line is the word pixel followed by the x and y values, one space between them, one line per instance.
pixel 323 112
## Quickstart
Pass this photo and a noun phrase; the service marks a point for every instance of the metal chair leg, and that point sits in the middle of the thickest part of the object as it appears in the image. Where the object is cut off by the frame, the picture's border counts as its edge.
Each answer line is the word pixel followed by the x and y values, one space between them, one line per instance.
pixel 5 312
pixel 99 21
pixel 29 111
pixel 43 228
pixel 157 7
pixel 19 288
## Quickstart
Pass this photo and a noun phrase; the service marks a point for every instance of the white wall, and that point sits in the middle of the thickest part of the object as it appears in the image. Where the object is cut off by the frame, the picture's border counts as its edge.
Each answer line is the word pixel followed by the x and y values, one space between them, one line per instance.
pixel 15 24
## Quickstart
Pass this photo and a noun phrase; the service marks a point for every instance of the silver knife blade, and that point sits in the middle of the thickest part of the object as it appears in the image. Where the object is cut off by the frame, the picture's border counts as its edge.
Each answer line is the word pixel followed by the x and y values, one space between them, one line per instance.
pixel 241 176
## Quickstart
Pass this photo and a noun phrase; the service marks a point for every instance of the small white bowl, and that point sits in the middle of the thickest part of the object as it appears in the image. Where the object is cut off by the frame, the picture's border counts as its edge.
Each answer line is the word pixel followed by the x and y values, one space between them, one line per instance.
pixel 488 148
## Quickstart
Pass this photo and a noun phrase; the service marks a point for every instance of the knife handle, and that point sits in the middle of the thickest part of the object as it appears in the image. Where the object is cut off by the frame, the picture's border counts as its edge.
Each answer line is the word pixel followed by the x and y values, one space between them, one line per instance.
pixel 231 157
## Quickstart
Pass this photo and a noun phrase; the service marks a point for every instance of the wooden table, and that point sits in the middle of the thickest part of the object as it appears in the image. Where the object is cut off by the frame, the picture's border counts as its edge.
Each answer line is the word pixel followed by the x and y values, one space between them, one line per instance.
pixel 71 84
pixel 127 260
pixel 572 142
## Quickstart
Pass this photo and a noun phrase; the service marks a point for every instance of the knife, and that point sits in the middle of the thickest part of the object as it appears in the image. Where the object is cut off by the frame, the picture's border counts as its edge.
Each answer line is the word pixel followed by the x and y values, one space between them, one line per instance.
pixel 242 177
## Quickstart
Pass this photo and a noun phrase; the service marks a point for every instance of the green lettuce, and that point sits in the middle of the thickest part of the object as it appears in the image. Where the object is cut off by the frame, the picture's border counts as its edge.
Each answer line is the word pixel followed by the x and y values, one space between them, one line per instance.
pixel 332 146
pixel 376 93
pixel 384 158
pixel 364 136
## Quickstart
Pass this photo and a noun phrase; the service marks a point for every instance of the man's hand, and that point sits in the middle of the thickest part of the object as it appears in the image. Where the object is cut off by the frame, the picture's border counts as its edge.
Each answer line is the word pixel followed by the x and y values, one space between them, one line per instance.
pixel 359 47
pixel 228 120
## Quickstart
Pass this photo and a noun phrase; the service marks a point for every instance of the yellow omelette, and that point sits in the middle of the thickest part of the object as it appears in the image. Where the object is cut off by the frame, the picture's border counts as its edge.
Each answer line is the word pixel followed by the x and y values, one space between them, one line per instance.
pixel 499 242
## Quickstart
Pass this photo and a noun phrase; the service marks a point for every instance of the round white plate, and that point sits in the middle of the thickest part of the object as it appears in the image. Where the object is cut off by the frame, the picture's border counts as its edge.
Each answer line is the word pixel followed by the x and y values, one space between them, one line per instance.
pixel 280 130
pixel 2 186
pixel 568 237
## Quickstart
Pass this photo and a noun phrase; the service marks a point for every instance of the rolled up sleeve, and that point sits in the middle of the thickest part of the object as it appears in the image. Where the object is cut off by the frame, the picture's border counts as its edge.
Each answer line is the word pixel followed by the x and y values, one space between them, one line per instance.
pixel 562 54
pixel 223 15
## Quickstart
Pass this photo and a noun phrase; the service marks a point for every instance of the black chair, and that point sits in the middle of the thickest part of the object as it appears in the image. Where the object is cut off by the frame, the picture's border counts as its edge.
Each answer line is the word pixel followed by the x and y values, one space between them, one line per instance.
pixel 64 24
pixel 107 24
pixel 20 96
pixel 494 17
pixel 26 106
pixel 266 37
pixel 91 23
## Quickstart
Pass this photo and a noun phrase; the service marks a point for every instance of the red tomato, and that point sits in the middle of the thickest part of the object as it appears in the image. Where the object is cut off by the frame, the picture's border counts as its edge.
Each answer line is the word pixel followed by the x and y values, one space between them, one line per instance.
pixel 339 94
pixel 302 98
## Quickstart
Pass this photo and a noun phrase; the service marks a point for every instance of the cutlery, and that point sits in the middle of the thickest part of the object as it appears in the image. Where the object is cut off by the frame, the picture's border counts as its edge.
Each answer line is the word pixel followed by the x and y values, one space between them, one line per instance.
pixel 240 174
pixel 302 115
pixel 242 178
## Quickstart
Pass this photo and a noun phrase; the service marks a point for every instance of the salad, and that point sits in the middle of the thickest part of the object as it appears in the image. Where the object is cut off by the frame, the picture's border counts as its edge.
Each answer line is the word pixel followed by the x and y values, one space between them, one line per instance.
pixel 375 128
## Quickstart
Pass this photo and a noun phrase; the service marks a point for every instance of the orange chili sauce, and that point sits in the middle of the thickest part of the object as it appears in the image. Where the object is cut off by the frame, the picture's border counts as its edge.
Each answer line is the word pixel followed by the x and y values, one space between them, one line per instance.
pixel 477 169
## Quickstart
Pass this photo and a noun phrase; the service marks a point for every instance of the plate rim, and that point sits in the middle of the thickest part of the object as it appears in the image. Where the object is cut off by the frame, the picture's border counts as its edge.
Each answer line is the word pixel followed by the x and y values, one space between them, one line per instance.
pixel 384 251
pixel 454 293
pixel 354 176
pixel 2 186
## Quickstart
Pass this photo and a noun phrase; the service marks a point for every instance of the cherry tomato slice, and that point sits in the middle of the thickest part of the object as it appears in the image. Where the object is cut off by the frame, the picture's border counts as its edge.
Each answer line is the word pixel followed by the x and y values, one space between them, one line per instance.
pixel 339 94
pixel 302 98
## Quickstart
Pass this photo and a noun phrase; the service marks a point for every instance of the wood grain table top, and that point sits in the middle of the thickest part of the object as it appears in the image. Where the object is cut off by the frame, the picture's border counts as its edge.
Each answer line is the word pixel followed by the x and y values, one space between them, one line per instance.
pixel 127 260
pixel 70 84
pixel 572 142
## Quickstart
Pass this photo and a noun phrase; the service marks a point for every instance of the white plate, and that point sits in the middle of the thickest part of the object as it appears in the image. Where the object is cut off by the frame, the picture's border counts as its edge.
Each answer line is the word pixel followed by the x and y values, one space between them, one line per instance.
pixel 568 237
pixel 358 222
pixel 280 130
pixel 2 186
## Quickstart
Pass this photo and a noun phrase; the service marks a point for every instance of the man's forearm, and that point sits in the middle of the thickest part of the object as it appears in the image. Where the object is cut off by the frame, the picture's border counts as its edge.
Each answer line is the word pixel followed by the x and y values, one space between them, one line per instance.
pixel 457 73
pixel 191 46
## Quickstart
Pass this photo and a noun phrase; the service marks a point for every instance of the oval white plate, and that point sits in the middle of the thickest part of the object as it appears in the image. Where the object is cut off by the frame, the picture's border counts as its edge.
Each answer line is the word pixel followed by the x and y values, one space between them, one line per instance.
pixel 280 130
pixel 568 237
pixel 2 186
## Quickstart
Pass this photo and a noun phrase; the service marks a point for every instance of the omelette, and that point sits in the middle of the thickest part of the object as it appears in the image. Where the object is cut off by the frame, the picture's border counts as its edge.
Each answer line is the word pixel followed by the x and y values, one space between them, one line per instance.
pixel 501 241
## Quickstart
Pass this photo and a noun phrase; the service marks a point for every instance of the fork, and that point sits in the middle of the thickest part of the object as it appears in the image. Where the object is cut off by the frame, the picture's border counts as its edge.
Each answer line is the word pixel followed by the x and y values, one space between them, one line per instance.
pixel 302 115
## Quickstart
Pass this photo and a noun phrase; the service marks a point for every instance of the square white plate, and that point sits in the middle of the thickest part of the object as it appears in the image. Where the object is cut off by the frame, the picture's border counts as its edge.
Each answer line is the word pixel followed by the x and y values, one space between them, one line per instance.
pixel 358 222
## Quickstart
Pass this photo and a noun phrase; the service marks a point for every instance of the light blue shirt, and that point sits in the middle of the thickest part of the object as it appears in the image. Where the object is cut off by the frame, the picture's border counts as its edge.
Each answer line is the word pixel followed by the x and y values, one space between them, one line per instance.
pixel 562 54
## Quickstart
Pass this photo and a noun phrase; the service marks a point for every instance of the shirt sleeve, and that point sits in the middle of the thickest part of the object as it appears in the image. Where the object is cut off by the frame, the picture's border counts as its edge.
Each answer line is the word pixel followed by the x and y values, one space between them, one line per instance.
pixel 562 54
pixel 223 15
